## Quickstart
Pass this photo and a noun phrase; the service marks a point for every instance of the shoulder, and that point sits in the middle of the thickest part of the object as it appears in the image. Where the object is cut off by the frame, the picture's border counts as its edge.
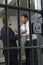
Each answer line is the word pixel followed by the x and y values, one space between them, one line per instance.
pixel 22 26
pixel 2 28
pixel 10 29
pixel 27 22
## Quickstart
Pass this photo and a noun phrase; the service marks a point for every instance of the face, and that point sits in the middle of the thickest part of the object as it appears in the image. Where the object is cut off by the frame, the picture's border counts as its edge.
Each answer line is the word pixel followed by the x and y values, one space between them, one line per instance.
pixel 23 19
pixel 9 22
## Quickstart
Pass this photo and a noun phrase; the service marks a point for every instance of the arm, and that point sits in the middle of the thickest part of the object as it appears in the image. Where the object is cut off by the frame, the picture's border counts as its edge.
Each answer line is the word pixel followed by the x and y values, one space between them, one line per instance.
pixel 15 30
pixel 13 36
pixel 23 32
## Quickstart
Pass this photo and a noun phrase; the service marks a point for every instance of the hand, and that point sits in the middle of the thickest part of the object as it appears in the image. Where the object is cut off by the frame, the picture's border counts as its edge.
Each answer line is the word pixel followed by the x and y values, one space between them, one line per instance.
pixel 23 32
pixel 15 30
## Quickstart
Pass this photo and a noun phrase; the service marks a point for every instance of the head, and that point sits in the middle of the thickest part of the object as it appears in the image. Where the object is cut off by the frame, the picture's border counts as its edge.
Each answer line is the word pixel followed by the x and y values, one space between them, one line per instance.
pixel 9 21
pixel 24 18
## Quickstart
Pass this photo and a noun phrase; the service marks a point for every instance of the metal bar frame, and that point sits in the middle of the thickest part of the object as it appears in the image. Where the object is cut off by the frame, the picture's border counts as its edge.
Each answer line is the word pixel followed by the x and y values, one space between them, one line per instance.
pixel 31 63
pixel 21 8
pixel 18 9
pixel 31 47
pixel 19 40
pixel 6 27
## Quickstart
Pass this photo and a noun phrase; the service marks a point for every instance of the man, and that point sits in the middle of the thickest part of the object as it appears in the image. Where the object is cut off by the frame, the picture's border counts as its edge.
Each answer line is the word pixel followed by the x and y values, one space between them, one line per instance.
pixel 13 53
pixel 25 32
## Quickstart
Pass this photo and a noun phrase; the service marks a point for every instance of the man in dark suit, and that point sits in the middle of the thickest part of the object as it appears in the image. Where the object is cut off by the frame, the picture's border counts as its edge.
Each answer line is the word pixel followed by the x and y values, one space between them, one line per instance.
pixel 13 53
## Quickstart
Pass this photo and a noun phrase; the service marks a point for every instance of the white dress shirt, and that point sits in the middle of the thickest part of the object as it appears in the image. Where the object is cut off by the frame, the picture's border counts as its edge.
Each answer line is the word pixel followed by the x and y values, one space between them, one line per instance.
pixel 27 36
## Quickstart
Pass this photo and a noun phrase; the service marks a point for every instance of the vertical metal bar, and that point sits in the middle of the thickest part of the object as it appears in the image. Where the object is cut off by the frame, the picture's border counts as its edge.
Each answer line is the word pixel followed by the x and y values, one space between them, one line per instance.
pixel 6 19
pixel 19 40
pixel 42 22
pixel 42 7
pixel 30 28
pixel 6 27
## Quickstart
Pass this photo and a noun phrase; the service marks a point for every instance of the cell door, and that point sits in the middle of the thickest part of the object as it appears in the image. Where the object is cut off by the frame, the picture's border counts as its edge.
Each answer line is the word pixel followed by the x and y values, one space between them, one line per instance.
pixel 12 44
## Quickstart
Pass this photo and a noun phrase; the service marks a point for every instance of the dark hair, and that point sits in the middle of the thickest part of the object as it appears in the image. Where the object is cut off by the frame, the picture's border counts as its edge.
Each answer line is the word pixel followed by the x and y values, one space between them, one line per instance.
pixel 4 20
pixel 25 15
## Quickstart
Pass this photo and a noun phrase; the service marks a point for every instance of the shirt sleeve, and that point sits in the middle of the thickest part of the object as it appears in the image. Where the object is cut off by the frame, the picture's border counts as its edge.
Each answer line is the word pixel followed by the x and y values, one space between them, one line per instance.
pixel 25 28
pixel 22 29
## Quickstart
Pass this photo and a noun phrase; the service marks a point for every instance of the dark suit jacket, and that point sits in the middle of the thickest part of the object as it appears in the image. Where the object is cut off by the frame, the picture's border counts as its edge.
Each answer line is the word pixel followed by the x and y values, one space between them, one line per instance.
pixel 11 39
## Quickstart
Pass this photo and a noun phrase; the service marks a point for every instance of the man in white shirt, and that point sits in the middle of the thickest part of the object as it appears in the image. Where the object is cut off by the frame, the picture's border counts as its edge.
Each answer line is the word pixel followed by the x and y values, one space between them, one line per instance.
pixel 25 32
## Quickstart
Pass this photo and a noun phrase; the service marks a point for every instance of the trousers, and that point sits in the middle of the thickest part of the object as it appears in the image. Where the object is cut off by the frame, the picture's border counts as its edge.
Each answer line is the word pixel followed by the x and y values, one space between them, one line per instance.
pixel 27 53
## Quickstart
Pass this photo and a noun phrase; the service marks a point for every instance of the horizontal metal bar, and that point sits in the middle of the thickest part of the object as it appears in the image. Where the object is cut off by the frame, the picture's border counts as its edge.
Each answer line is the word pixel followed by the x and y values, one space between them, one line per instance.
pixel 21 8
pixel 31 47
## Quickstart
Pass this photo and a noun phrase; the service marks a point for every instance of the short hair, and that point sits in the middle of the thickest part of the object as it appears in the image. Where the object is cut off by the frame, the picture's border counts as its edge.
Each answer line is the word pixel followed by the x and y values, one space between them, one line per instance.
pixel 4 20
pixel 25 15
